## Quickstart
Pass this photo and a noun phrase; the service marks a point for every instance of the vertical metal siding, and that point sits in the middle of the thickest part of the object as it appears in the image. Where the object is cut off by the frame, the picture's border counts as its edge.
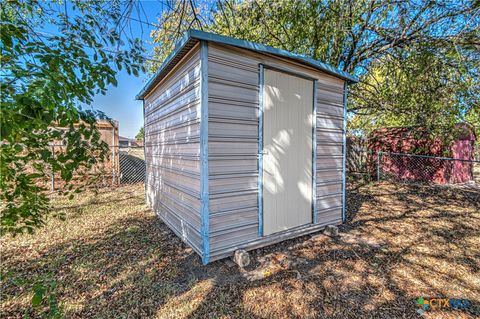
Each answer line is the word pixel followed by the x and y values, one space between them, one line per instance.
pixel 330 130
pixel 233 149
pixel 172 149
pixel 233 80
pixel 261 75
pixel 147 199
pixel 205 211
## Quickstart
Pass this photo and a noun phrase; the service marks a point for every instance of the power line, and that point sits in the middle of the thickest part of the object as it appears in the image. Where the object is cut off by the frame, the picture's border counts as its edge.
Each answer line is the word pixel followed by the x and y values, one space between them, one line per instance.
pixel 50 35
pixel 144 22
pixel 47 35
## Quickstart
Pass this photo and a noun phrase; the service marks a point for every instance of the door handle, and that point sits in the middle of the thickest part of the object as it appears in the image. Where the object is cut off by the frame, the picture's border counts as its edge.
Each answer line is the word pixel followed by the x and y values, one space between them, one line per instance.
pixel 264 152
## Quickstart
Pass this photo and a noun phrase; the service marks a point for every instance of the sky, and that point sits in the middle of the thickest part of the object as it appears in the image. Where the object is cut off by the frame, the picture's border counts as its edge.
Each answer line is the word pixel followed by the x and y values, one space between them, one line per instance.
pixel 119 103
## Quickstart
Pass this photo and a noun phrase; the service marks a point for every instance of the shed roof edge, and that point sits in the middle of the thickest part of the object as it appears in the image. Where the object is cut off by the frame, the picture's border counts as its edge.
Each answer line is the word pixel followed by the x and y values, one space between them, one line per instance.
pixel 257 47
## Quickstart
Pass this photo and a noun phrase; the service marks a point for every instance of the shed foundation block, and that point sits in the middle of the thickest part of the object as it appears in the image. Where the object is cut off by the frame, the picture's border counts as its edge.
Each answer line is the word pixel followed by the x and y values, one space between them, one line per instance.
pixel 331 231
pixel 241 258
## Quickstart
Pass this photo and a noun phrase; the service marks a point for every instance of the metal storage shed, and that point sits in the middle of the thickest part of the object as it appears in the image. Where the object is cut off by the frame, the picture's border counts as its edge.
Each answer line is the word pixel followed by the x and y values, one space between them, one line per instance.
pixel 229 132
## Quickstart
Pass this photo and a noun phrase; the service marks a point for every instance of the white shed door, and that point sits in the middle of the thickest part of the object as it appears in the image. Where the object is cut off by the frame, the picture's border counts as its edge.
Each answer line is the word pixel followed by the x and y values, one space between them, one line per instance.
pixel 287 159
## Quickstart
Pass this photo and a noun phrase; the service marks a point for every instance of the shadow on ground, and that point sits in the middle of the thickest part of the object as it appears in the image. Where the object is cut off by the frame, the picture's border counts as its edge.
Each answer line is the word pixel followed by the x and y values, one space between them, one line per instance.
pixel 399 243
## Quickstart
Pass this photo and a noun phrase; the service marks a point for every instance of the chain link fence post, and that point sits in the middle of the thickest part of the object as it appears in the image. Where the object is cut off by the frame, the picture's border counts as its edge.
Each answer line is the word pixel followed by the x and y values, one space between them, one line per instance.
pixel 112 161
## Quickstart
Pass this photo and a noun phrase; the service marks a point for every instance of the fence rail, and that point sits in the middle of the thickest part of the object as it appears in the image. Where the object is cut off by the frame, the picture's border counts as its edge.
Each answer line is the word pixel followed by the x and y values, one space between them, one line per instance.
pixel 126 165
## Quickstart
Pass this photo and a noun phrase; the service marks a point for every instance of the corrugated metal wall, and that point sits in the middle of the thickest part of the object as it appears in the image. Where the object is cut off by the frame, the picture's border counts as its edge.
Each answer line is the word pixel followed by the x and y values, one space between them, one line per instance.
pixel 172 149
pixel 329 151
pixel 233 146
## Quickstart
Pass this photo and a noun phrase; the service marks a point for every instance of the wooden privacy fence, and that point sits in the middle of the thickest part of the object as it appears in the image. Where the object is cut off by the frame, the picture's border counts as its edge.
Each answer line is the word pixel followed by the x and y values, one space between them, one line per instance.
pixel 122 165
pixel 103 173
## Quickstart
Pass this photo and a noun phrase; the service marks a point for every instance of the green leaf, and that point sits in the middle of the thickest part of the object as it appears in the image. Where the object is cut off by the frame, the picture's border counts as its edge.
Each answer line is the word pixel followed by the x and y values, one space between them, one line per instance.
pixel 45 83
pixel 38 297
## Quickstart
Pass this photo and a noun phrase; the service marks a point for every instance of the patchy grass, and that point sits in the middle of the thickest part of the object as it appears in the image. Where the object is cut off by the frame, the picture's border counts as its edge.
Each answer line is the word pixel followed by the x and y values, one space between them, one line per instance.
pixel 113 258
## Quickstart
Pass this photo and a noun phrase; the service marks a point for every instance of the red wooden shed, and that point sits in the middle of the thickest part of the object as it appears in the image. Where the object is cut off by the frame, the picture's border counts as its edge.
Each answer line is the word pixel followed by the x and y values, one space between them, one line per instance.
pixel 393 143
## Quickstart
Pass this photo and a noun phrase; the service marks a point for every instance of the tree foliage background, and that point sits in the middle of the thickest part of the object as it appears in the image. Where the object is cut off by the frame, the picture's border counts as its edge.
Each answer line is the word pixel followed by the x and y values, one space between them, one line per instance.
pixel 48 82
pixel 418 61
pixel 140 135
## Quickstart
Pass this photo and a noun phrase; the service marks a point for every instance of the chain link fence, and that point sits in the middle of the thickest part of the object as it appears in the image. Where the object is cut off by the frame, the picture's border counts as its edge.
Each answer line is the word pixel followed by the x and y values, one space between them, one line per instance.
pixel 427 169
pixel 132 165
pixel 363 164
pixel 126 165
pixel 123 165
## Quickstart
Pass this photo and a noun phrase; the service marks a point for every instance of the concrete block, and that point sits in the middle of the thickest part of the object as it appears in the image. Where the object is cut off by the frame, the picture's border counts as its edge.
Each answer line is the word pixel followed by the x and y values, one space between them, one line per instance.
pixel 241 258
pixel 331 231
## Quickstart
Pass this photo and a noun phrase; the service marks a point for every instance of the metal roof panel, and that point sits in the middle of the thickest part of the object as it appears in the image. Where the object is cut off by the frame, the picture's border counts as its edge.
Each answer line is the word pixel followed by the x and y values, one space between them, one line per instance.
pixel 192 36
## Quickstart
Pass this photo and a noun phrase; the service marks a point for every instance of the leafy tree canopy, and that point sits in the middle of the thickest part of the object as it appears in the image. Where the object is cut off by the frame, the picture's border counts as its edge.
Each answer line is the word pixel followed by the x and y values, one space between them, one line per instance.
pixel 140 134
pixel 417 60
pixel 415 86
pixel 49 81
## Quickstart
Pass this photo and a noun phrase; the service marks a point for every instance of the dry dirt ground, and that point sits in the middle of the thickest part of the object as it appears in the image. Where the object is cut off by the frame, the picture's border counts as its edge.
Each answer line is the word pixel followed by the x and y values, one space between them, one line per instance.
pixel 112 258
